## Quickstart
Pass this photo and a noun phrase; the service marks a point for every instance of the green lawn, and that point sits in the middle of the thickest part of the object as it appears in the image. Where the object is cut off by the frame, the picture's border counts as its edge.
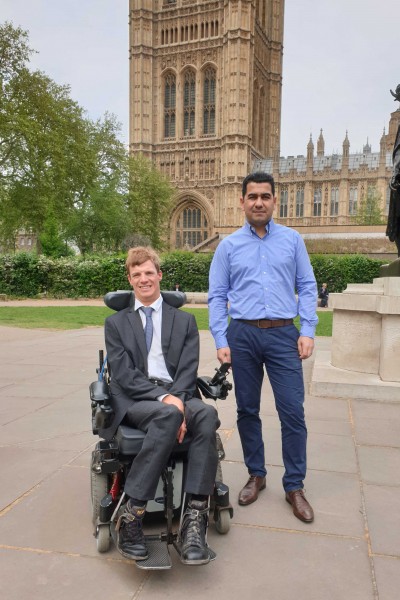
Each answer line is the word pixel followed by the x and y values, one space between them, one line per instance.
pixel 75 317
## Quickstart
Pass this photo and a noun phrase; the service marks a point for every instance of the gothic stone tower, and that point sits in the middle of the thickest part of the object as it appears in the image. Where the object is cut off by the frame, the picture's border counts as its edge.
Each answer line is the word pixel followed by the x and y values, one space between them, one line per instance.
pixel 205 103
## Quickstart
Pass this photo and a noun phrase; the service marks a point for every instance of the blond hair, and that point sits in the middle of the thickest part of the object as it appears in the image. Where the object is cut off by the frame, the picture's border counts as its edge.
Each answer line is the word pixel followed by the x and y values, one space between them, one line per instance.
pixel 139 255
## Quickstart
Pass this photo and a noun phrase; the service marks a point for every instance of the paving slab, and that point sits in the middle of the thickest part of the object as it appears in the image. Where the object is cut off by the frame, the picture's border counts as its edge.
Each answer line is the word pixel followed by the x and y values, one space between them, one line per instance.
pixel 376 423
pixel 268 564
pixel 335 498
pixel 382 506
pixel 380 465
pixel 46 575
pixel 387 573
pixel 350 552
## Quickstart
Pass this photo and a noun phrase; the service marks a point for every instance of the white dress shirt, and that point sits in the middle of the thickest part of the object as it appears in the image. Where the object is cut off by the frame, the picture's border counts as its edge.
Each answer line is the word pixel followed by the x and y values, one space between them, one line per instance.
pixel 155 360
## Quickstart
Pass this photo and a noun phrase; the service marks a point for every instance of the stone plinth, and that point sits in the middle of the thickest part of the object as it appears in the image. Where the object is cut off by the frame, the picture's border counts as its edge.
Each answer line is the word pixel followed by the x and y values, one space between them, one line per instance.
pixel 365 352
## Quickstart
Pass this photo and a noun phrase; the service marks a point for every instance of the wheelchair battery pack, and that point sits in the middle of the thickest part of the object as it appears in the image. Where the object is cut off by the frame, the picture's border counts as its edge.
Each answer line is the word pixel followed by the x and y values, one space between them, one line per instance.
pixel 106 508
pixel 105 457
pixel 221 494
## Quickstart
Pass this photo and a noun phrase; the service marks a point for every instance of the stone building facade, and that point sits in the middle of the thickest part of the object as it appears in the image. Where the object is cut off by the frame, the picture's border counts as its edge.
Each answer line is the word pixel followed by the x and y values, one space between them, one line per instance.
pixel 205 103
pixel 317 192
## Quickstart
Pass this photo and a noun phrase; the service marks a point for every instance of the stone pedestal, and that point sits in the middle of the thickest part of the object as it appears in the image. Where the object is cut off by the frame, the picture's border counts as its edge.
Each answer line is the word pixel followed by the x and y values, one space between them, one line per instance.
pixel 365 352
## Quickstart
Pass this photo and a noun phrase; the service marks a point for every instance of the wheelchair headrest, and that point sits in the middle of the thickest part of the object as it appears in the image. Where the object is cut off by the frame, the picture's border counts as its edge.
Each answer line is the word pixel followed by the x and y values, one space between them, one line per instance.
pixel 125 298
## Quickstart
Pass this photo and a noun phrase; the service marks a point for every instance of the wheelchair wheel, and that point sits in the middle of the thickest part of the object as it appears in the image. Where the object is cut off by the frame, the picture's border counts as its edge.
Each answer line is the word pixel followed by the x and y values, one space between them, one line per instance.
pixel 223 522
pixel 103 538
pixel 99 486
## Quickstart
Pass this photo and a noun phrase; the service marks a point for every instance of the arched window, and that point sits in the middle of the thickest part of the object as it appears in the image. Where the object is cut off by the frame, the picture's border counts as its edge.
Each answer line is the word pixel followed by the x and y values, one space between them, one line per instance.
pixel 334 202
pixel 189 103
pixel 300 202
pixel 353 197
pixel 191 227
pixel 255 114
pixel 317 202
pixel 261 121
pixel 170 106
pixel 283 209
pixel 209 102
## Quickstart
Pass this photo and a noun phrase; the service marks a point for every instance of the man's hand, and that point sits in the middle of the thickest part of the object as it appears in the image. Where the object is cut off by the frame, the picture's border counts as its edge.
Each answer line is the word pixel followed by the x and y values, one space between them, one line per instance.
pixel 306 346
pixel 224 355
pixel 181 432
pixel 170 399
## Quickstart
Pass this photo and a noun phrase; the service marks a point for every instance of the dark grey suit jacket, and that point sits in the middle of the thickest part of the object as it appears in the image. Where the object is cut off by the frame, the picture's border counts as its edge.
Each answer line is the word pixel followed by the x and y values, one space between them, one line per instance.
pixel 127 356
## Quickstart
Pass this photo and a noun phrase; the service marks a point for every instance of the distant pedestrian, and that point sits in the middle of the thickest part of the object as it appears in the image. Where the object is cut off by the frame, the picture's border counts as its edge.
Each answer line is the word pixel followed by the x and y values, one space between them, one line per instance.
pixel 323 295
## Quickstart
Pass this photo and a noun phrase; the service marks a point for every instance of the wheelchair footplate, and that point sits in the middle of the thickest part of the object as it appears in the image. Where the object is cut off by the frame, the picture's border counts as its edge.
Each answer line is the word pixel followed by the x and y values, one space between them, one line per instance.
pixel 159 557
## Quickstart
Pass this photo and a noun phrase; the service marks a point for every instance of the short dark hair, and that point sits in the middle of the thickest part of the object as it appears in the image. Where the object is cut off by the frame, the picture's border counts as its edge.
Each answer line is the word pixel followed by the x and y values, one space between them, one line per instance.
pixel 258 177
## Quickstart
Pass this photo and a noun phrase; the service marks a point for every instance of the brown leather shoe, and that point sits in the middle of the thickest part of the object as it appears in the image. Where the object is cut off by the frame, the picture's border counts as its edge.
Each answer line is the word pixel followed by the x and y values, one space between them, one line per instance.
pixel 250 491
pixel 301 508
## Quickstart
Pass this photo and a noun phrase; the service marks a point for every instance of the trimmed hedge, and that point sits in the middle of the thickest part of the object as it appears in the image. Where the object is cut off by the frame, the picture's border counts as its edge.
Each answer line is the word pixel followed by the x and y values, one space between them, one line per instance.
pixel 186 268
pixel 29 275
pixel 338 271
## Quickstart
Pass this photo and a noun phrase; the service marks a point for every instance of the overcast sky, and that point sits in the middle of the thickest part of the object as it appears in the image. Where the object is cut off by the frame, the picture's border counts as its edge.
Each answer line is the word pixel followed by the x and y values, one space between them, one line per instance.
pixel 341 58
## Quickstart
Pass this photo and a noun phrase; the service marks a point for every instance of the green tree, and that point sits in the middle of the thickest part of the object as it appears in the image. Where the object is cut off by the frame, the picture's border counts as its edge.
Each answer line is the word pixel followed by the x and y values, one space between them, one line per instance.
pixel 50 157
pixel 63 175
pixel 369 211
pixel 99 218
pixel 150 200
pixel 52 241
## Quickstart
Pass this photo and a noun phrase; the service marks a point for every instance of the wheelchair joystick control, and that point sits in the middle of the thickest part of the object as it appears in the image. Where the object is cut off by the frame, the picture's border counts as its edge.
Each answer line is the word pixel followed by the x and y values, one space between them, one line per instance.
pixel 216 387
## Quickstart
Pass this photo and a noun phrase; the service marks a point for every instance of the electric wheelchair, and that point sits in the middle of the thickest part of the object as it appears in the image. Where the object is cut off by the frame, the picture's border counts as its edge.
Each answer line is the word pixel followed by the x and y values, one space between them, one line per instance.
pixel 111 461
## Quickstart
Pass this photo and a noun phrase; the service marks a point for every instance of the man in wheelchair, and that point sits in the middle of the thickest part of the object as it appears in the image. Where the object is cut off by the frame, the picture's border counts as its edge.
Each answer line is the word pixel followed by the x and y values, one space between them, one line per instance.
pixel 153 355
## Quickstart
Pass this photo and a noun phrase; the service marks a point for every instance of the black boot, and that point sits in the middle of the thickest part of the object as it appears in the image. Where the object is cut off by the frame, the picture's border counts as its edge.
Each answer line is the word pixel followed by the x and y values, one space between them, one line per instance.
pixel 193 534
pixel 130 538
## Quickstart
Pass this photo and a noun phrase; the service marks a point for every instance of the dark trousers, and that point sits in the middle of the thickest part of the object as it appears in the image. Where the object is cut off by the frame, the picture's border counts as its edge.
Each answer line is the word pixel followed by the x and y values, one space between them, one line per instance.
pixel 276 348
pixel 161 423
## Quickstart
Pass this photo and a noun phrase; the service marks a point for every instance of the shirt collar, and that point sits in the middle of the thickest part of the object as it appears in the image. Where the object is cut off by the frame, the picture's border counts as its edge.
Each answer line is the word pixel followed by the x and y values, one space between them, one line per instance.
pixel 155 306
pixel 268 228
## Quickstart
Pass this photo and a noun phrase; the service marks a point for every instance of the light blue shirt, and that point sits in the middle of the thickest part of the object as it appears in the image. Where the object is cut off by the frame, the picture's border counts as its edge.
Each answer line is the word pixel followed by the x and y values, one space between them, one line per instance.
pixel 259 278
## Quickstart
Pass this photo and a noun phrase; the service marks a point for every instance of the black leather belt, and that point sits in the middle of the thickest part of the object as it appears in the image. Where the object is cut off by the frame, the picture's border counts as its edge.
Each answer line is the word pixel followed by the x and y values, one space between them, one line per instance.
pixel 160 382
pixel 267 323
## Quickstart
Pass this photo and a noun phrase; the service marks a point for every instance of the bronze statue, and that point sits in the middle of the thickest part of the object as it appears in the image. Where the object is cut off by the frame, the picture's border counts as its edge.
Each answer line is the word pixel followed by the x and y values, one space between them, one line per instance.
pixel 393 224
pixel 396 94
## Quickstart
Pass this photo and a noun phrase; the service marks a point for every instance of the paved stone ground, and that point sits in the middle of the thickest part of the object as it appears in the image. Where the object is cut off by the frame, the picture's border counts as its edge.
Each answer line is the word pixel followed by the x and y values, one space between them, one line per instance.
pixel 350 552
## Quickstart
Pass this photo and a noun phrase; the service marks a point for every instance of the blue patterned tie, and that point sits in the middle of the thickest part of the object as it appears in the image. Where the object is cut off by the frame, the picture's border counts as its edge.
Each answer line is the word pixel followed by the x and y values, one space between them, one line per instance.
pixel 148 330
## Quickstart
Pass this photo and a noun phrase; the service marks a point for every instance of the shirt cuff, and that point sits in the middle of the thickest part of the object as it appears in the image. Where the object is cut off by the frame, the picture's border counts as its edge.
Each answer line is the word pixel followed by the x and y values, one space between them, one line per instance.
pixel 221 342
pixel 161 398
pixel 307 331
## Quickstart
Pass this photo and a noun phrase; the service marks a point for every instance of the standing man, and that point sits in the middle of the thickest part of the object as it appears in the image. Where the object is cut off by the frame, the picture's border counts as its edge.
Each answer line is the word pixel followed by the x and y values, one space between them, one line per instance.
pixel 257 270
pixel 153 351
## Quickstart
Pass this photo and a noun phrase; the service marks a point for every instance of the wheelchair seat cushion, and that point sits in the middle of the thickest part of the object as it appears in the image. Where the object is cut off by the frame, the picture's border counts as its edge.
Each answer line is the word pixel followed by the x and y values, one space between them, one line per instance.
pixel 130 442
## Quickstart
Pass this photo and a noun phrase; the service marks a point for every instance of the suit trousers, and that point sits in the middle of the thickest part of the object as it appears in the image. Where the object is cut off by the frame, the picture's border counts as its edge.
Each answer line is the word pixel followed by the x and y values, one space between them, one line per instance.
pixel 276 348
pixel 161 423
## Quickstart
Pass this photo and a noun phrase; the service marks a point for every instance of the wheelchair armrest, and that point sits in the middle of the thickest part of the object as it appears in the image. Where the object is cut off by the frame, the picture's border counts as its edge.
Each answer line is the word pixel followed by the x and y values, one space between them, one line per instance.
pixel 215 391
pixel 216 387
pixel 99 392
pixel 102 412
